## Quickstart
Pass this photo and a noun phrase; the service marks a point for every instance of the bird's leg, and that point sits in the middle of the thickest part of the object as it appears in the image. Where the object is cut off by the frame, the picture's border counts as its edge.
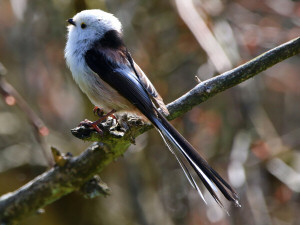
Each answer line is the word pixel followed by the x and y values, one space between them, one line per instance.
pixel 98 111
pixel 97 122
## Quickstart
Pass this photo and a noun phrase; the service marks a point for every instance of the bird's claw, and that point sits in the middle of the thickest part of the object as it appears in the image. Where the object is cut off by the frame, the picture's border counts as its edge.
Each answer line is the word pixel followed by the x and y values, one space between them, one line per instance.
pixel 88 123
pixel 94 125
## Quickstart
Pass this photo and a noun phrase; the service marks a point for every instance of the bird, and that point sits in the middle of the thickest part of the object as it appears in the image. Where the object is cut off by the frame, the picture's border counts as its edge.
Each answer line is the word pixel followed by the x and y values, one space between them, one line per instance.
pixel 102 66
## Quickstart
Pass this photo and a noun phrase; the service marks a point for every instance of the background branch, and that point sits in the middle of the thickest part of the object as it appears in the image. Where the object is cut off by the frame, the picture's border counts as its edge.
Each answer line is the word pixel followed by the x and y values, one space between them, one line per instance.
pixel 12 97
pixel 204 36
pixel 75 172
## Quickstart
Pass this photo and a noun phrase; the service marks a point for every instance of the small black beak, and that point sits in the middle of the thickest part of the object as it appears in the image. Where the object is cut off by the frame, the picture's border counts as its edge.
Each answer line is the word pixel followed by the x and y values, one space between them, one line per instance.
pixel 71 21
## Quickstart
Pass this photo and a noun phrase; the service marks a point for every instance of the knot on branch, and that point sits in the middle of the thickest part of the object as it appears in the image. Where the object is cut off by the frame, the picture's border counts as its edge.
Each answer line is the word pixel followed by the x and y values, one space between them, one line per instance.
pixel 95 187
pixel 60 159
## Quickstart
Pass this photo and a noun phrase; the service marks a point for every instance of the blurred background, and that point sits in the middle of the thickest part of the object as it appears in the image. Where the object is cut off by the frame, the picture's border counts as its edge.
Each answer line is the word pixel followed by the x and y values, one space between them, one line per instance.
pixel 250 134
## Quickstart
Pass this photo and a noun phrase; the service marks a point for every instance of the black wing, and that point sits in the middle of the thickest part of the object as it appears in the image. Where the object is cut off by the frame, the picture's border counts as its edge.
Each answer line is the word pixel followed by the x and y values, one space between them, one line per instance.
pixel 147 85
pixel 111 46
pixel 121 77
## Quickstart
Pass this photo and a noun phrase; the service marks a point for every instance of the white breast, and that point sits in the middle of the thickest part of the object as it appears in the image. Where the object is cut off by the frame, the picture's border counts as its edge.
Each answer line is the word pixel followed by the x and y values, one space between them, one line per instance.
pixel 98 91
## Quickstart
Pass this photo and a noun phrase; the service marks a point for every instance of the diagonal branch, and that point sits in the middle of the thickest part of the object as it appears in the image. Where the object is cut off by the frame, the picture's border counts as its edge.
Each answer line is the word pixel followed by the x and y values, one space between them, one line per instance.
pixel 77 171
pixel 215 85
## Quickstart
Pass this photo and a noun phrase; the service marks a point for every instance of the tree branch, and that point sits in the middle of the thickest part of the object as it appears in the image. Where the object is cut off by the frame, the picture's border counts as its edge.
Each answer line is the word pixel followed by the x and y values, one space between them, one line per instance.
pixel 77 171
pixel 213 86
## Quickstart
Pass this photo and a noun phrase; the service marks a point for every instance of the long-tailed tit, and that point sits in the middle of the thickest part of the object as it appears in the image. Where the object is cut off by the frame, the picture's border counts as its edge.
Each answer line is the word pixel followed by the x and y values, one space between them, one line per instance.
pixel 104 70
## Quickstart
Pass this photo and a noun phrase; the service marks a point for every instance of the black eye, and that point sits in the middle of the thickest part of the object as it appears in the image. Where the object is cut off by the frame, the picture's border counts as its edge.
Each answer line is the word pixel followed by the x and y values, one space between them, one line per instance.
pixel 83 25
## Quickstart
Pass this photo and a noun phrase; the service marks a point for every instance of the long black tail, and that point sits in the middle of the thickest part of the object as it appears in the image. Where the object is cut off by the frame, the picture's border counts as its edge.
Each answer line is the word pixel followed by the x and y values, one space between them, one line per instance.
pixel 182 148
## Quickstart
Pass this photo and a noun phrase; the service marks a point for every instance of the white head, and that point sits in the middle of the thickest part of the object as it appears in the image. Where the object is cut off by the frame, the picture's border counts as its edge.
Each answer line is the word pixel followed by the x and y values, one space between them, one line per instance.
pixel 86 28
pixel 90 25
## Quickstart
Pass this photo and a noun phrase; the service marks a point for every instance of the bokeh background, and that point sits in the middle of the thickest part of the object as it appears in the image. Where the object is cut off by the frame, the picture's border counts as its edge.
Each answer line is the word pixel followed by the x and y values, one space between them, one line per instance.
pixel 250 133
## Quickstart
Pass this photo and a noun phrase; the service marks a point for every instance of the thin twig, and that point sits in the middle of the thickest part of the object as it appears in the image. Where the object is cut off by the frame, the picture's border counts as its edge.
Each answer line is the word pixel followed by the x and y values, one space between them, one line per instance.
pixel 215 85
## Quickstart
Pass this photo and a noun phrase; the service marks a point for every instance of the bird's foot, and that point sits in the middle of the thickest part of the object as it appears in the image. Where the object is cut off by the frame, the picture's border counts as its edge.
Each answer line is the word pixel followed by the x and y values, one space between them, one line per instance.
pixel 102 117
pixel 94 125
pixel 100 112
